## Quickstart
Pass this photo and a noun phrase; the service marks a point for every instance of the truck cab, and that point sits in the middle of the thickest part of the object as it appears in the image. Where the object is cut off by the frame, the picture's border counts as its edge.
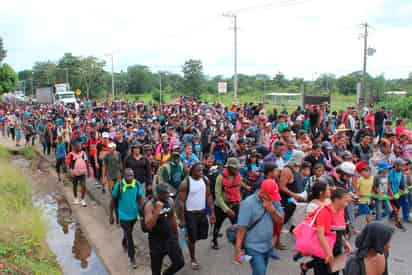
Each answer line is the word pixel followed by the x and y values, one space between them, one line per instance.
pixel 67 99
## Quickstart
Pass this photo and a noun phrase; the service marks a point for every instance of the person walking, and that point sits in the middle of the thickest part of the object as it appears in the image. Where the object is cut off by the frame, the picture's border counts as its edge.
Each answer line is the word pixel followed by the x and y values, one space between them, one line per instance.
pixel 78 168
pixel 194 193
pixel 112 167
pixel 141 167
pixel 161 223
pixel 172 173
pixel 127 199
pixel 257 214
pixel 227 197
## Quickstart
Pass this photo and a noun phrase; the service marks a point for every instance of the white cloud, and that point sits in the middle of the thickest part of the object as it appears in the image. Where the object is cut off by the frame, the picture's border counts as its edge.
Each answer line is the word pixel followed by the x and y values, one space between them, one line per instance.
pixel 310 36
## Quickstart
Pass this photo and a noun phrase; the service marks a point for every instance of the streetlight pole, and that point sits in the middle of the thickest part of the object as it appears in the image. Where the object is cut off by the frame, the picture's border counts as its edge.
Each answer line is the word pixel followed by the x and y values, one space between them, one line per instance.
pixel 235 78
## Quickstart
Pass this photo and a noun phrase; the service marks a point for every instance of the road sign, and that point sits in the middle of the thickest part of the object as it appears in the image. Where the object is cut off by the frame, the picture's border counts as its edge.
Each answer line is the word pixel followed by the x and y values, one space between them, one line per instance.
pixel 222 87
pixel 78 92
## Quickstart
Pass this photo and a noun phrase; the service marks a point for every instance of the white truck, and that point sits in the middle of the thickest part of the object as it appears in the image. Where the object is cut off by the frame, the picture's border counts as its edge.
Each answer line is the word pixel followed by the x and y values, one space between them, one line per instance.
pixel 58 93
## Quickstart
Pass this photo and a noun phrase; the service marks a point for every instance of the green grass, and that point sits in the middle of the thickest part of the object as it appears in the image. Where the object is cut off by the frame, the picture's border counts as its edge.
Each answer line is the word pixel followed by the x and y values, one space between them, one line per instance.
pixel 339 102
pixel 28 152
pixel 23 249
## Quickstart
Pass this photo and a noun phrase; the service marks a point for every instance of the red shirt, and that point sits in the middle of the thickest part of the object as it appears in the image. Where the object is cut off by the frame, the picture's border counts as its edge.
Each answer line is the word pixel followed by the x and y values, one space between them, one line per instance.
pixel 329 219
pixel 91 145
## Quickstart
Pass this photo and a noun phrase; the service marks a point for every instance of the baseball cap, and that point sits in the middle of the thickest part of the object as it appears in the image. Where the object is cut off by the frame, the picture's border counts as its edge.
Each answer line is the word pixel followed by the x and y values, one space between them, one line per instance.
pixel 361 165
pixel 162 189
pixel 105 135
pixel 399 161
pixel 327 145
pixel 347 168
pixel 296 159
pixel 382 165
pixel 347 155
pixel 270 187
pixel 233 162
pixel 140 132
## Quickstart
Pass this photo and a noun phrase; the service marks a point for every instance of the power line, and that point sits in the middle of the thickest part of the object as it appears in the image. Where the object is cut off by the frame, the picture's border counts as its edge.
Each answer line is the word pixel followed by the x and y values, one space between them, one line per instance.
pixel 268 5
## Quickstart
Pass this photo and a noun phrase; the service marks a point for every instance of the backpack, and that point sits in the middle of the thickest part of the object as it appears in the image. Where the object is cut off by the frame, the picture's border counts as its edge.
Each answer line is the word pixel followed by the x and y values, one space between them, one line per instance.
pixel 78 165
pixel 119 195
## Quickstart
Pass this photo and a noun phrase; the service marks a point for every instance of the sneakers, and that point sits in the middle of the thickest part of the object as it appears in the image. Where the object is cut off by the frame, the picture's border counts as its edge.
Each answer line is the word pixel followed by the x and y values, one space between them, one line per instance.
pixel 133 262
pixel 83 203
pixel 214 245
pixel 76 201
pixel 401 227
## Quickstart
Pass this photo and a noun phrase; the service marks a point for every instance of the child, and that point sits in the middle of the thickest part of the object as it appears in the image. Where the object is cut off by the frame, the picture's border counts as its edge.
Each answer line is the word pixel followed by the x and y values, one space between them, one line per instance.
pixel 364 189
pixel 396 187
pixel 60 155
pixel 380 188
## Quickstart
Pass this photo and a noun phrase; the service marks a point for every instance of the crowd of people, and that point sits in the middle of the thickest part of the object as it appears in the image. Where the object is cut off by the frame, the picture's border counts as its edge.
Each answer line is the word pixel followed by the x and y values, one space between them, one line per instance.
pixel 181 168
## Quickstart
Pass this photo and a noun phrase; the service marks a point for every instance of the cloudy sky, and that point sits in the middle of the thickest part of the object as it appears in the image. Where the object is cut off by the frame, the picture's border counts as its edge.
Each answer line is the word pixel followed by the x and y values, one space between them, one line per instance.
pixel 297 37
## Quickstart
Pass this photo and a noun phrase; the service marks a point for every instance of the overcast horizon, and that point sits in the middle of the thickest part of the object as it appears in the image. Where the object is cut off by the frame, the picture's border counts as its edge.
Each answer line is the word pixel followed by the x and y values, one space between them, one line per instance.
pixel 296 37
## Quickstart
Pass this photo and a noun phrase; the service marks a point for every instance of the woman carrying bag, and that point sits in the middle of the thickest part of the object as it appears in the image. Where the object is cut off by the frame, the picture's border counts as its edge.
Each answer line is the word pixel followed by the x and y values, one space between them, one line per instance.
pixel 323 238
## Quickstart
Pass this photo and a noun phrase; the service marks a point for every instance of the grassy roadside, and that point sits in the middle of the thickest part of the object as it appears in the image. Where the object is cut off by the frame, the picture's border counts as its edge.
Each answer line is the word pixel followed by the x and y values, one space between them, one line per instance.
pixel 23 249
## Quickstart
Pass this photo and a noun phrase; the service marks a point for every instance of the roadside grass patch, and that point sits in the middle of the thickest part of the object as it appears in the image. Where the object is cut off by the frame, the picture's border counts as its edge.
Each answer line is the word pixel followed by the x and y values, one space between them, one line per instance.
pixel 28 152
pixel 23 249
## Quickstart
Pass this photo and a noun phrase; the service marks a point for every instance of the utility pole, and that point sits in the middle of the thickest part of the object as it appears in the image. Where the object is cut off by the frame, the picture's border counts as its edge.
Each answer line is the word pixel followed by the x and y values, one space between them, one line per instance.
pixel 160 88
pixel 362 96
pixel 111 56
pixel 32 89
pixel 234 17
pixel 67 75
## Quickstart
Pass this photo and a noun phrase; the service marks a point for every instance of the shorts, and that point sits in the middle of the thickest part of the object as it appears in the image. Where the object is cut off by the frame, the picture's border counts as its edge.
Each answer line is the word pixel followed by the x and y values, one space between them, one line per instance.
pixel 197 225
pixel 81 180
pixel 396 204
pixel 363 209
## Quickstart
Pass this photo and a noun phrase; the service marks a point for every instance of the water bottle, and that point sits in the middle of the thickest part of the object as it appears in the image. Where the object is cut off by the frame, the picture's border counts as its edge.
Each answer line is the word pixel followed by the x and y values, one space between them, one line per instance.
pixel 244 259
pixel 182 238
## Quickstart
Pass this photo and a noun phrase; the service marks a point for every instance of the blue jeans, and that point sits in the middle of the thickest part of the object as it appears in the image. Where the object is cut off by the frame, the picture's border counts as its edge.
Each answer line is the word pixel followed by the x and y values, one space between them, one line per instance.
pixel 350 213
pixel 379 208
pixel 405 207
pixel 259 261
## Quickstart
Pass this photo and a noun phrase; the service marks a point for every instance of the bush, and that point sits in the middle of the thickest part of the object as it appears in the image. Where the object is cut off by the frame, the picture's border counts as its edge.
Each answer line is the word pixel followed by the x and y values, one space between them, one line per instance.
pixel 400 106
pixel 28 153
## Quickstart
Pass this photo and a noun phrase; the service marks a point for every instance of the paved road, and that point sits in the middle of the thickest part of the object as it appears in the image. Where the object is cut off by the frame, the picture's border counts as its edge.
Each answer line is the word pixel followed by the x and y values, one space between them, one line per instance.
pixel 221 262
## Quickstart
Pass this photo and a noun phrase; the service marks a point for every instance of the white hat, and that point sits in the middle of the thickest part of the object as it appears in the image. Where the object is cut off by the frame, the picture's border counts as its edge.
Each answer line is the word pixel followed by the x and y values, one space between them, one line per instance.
pixel 347 167
pixel 105 135
pixel 296 158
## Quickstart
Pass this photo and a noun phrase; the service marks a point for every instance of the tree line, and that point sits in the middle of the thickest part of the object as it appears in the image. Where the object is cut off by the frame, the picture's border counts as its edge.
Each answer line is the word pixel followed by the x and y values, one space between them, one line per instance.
pixel 88 75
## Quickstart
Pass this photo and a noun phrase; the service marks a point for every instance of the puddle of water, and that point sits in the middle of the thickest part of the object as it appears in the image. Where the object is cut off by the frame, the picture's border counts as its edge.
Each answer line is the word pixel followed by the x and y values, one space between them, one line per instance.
pixel 65 238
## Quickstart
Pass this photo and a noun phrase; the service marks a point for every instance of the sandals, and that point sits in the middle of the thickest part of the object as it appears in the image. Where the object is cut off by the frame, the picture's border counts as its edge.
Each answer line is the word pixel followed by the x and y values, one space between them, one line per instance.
pixel 303 271
pixel 195 266
pixel 281 246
